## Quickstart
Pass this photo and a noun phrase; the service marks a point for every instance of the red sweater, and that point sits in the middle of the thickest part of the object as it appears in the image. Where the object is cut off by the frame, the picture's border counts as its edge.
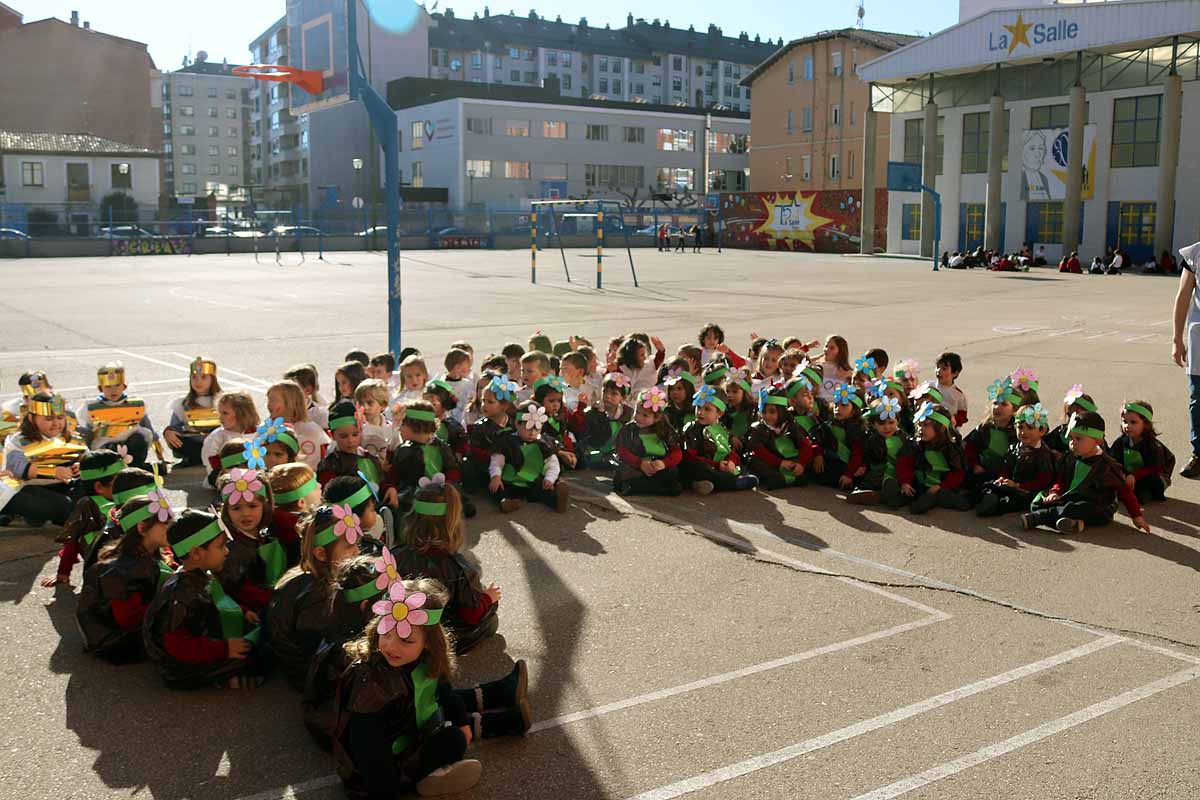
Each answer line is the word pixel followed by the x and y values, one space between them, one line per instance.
pixel 671 459
pixel 906 473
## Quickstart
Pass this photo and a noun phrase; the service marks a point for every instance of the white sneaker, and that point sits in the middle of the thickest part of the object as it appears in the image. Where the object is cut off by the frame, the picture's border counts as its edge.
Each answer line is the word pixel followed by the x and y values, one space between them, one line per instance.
pixel 702 487
pixel 453 779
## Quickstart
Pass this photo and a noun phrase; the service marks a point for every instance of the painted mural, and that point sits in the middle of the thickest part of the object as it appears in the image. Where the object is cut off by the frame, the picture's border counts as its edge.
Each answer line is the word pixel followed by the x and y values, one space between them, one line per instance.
pixel 819 222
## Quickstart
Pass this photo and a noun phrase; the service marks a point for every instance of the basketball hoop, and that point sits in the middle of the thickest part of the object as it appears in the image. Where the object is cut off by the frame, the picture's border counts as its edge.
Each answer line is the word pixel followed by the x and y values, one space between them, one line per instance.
pixel 311 81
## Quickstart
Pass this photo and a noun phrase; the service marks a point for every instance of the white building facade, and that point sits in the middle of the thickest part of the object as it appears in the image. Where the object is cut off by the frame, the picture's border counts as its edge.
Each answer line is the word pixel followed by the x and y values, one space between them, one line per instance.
pixel 1007 95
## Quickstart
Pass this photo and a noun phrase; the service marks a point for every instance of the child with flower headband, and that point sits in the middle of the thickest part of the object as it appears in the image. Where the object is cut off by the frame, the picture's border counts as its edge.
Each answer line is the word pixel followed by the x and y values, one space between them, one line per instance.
pixel 741 409
pixel 779 453
pixel 559 427
pixel 908 373
pixel 44 461
pixel 422 454
pixel 238 418
pixel 286 401
pixel 835 366
pixel 377 520
pixel 391 731
pixel 379 436
pixel 866 371
pixel 194 416
pixel 119 587
pixel 348 457
pixel 432 547
pixel 888 386
pixel 882 446
pixel 602 423
pixel 844 460
pixel 1076 402
pixel 257 557
pixel 114 418
pixel 524 466
pixel 97 471
pixel 648 450
pixel 987 447
pixel 1087 485
pixel 197 633
pixel 680 385
pixel 278 443
pixel 1025 382
pixel 497 409
pixel 709 460
pixel 1147 462
pixel 810 415
pixel 298 616
pixel 1028 469
pixel 441 396
pixel 129 483
pixel 931 470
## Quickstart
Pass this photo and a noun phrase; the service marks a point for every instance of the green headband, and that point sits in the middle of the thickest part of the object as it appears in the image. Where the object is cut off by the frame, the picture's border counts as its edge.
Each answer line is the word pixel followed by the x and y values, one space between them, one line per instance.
pixel 283 498
pixel 1085 404
pixel 719 403
pixel 429 509
pixel 326 537
pixel 939 417
pixel 712 376
pixel 683 375
pixel 203 536
pixel 420 415
pixel 1137 408
pixel 364 592
pixel 1010 397
pixel 363 494
pixel 441 384
pixel 744 385
pixel 813 376
pixel 102 472
pixel 1085 431
pixel 127 521
pixel 341 422
pixel 795 386
pixel 856 400
pixel 775 400
pixel 234 460
pixel 288 439
pixel 138 491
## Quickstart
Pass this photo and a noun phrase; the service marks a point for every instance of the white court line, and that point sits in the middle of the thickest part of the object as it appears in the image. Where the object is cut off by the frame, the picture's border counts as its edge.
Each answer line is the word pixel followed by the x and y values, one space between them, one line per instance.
pixel 176 292
pixel 162 363
pixel 291 792
pixel 139 383
pixel 727 773
pixel 222 369
pixel 1030 736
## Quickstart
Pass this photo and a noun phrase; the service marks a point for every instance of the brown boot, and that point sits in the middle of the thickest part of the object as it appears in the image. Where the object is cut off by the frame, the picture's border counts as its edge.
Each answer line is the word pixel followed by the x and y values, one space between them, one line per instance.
pixel 510 504
pixel 562 495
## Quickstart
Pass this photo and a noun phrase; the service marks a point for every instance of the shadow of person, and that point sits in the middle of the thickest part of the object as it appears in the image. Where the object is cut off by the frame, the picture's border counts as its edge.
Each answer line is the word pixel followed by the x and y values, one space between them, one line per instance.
pixel 1176 516
pixel 1121 536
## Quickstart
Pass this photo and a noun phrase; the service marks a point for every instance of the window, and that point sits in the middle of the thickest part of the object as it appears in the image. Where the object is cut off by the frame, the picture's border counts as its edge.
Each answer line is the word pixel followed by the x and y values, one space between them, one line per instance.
pixel 1057 116
pixel 187 149
pixel 274 120
pixel 1136 131
pixel 232 169
pixel 187 111
pixel 835 116
pixel 479 125
pixel 679 179
pixel 189 188
pixel 597 133
pixel 214 130
pixel 418 137
pixel 913 129
pixel 1047 219
pixel 514 76
pixel 676 140
pixel 733 143
pixel 787 168
pixel 214 169
pixel 835 62
pixel 231 113
pixel 418 174
pixel 514 127
pixel 677 63
pixel 603 67
pixel 806 118
pixel 304 139
pixel 975 142
pixel 565 58
pixel 479 168
pixel 231 150
pixel 187 130
pixel 639 88
pixel 634 135
pixel 617 67
pixel 789 126
pixel 806 167
pixel 166 129
pixel 214 150
pixel 169 168
pixel 1135 223
pixel 603 85
pixel 851 113
pixel 231 94
pixel 808 68
pixel 185 91
pixel 791 72
pixel 616 87
pixel 212 91
pixel 213 112
pixel 910 222
pixel 606 175
pixel 514 52
pixel 677 84
pixel 552 58
pixel 187 169
pixel 531 77
pixel 496 62
pixel 566 82
pixel 518 170
pixel 33 173
pixel 834 166
pixel 527 55
pixel 553 171
pixel 554 130
pixel 476 60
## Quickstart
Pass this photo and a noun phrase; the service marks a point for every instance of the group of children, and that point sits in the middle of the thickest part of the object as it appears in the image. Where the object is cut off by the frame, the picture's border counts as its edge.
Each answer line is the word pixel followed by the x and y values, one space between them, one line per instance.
pixel 333 547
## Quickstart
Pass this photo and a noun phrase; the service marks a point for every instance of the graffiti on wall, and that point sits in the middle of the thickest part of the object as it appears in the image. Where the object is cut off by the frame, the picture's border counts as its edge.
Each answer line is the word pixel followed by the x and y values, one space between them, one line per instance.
pixel 157 246
pixel 820 222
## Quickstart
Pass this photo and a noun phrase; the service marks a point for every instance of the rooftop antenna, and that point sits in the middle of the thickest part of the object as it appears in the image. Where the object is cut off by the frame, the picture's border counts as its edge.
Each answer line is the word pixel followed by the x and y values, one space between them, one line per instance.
pixel 862 12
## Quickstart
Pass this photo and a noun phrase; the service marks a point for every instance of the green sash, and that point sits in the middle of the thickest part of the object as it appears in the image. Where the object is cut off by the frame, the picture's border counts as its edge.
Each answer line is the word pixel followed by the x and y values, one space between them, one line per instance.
pixel 788 451
pixel 843 450
pixel 274 557
pixel 720 437
pixel 1082 470
pixel 1132 460
pixel 530 470
pixel 105 505
pixel 653 445
pixel 232 620
pixel 164 572
pixel 368 468
pixel 425 705
pixel 937 468
pixel 894 445
pixel 739 423
pixel 555 426
pixel 806 422
pixel 443 433
pixel 997 448
pixel 433 459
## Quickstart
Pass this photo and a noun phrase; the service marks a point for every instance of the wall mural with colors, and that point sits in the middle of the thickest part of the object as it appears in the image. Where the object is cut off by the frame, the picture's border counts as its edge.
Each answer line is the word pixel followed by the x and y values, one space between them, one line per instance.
pixel 820 222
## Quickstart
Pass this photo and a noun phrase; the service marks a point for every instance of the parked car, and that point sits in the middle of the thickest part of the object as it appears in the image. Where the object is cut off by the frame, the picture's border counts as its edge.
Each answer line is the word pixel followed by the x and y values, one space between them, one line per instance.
pixel 13 233
pixel 127 232
pixel 296 230
pixel 238 233
pixel 381 230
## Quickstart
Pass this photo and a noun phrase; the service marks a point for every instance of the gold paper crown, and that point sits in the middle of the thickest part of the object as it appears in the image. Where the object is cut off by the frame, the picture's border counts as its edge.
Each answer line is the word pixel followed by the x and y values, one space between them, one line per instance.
pixel 36 379
pixel 48 408
pixel 203 366
pixel 111 374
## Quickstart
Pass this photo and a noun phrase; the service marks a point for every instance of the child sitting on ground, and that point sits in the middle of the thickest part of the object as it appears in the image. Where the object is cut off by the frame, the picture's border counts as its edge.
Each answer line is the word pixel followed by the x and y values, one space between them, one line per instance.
pixel 238 418
pixel 497 409
pixel 602 423
pixel 306 377
pixel 881 453
pixel 457 377
pixel 194 416
pixel 348 457
pixel 1075 402
pixel 931 470
pixel 709 461
pixel 949 367
pixel 524 467
pixel 257 557
pixel 97 471
pixel 779 453
pixel 1028 468
pixel 648 450
pixel 987 447
pixel 116 420
pixel 379 436
pixel 286 400
pixel 1147 462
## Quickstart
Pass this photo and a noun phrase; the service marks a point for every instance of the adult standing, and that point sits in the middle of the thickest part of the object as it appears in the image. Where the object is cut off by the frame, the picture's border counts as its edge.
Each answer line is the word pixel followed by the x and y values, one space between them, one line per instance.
pixel 1186 349
pixel 697 232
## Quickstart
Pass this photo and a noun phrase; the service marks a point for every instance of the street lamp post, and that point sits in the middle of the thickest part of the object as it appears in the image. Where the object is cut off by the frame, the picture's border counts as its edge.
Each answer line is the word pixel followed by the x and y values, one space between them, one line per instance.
pixel 357 163
pixel 471 176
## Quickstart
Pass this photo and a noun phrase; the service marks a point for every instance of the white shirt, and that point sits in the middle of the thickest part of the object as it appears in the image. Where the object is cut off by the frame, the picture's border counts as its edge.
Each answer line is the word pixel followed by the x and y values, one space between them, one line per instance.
pixel 1191 328
pixel 379 440
pixel 312 440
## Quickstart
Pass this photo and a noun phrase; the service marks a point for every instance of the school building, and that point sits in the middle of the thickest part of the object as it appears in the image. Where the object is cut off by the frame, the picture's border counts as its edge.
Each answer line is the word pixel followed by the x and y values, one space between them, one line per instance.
pixel 1053 124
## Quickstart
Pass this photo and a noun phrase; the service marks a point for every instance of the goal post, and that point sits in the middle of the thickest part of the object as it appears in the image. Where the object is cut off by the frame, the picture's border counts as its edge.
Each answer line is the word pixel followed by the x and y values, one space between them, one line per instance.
pixel 580 209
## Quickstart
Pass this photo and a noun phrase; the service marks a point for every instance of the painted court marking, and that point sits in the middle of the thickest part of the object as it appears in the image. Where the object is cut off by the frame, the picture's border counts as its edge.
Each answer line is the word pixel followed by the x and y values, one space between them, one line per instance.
pixel 177 367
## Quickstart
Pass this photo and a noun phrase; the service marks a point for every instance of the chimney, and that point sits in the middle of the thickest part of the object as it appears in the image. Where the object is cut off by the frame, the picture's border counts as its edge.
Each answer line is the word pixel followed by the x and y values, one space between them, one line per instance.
pixel 629 21
pixel 87 26
pixel 75 19
pixel 486 12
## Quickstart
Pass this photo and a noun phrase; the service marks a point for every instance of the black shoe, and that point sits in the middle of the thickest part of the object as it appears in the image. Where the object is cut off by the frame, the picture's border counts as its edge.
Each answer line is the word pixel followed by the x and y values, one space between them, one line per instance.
pixel 621 487
pixel 745 482
pixel 508 691
pixel 989 506
pixel 468 507
pixel 924 503
pixel 673 489
pixel 1028 521
pixel 1192 470
pixel 954 501
pixel 510 722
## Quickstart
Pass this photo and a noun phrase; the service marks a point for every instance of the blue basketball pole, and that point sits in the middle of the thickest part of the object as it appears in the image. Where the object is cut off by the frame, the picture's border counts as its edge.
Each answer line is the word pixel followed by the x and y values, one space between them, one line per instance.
pixel 383 120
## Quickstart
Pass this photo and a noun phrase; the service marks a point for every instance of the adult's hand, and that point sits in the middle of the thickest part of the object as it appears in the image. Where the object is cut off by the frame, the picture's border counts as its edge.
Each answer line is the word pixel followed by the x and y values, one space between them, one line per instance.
pixel 1179 353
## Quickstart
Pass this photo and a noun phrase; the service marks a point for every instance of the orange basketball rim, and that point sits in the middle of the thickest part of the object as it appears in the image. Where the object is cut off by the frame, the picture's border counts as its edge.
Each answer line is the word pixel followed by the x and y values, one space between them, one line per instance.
pixel 310 80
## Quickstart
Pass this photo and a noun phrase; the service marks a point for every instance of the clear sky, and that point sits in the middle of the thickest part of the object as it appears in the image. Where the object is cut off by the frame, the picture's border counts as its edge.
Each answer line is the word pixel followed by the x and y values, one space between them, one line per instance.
pixel 224 28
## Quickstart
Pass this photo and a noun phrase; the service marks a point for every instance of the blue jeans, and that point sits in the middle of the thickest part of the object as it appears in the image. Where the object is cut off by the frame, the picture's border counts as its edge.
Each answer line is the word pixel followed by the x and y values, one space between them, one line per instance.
pixel 1194 407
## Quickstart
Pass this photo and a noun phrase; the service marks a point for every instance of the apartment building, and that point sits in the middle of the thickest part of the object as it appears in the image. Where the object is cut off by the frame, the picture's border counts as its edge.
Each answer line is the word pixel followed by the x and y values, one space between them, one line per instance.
pixel 205 124
pixel 648 62
pixel 277 146
pixel 808 121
